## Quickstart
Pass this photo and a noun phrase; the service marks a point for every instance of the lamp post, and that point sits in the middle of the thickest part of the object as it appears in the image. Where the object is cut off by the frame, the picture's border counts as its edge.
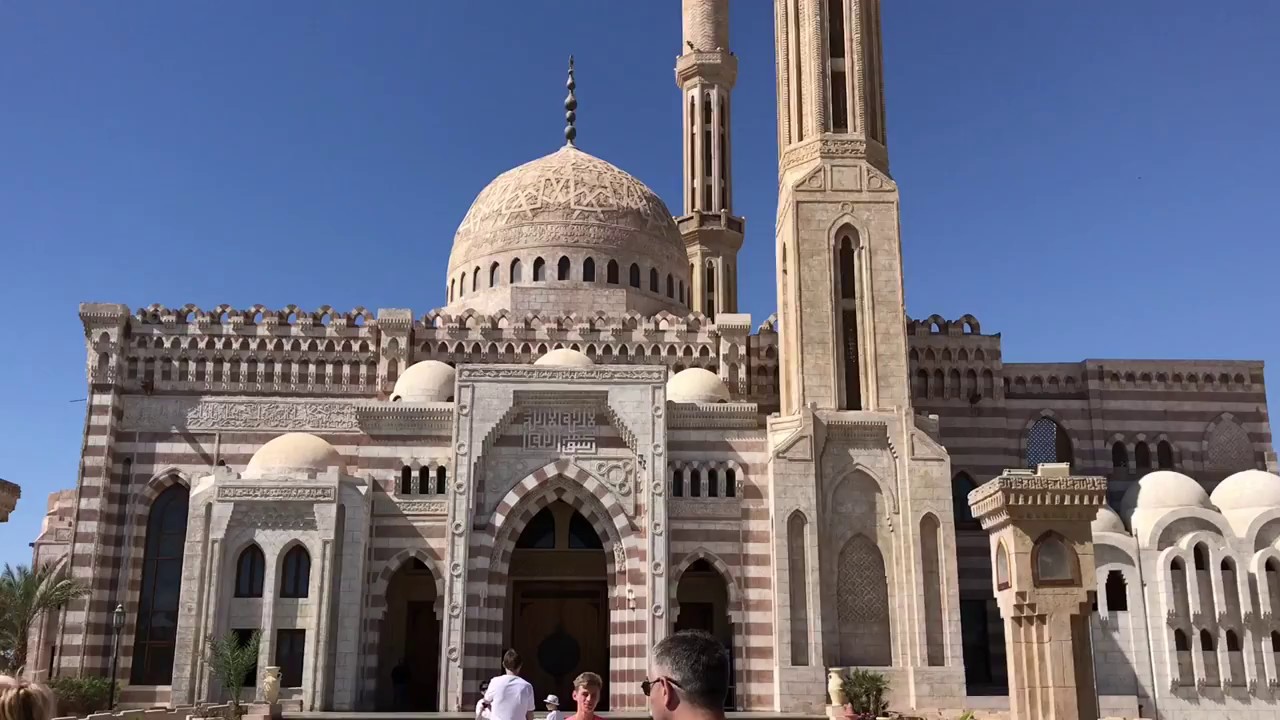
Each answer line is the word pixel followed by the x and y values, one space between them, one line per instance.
pixel 117 622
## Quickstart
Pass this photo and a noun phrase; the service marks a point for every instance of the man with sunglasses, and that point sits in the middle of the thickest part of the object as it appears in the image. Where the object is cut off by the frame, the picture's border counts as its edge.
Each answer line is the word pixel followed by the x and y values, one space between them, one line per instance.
pixel 688 678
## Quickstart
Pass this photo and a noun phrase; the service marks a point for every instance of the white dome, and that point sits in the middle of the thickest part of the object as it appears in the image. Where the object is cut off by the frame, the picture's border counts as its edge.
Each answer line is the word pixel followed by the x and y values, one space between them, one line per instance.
pixel 1107 521
pixel 426 381
pixel 696 385
pixel 1164 490
pixel 566 204
pixel 294 451
pixel 1247 489
pixel 564 357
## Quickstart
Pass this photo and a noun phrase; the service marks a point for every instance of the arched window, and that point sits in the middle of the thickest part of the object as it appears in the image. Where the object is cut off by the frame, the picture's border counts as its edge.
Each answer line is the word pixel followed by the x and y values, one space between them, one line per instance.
pixel 539 270
pixel 295 578
pixel 677 483
pixel 517 271
pixel 562 268
pixel 953 379
pixel 671 286
pixel 922 383
pixel 442 478
pixel 611 272
pixel 1117 592
pixel 961 485
pixel 1047 442
pixel 1164 455
pixel 540 532
pixel 988 384
pixel 730 483
pixel 249 572
pixel 582 536
pixel 934 595
pixel 1275 642
pixel 452 283
pixel 695 483
pixel 1233 641
pixel 161 580
pixel 1002 567
pixel 635 276
pixel 653 280
pixel 682 298
pixel 406 480
pixel 1200 556
pixel 862 604
pixel 495 277
pixel 798 583
pixel 424 480
pixel 1180 643
pixel 1054 562
pixel 588 270
pixel 1142 456
pixel 475 279
pixel 1119 455
pixel 846 259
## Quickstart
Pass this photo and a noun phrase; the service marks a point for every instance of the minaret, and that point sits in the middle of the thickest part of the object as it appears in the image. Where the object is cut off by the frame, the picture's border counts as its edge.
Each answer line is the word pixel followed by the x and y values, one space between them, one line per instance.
pixel 705 73
pixel 839 256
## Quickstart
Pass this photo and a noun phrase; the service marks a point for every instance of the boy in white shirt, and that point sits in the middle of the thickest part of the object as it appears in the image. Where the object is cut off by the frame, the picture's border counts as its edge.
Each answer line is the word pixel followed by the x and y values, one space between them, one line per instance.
pixel 509 697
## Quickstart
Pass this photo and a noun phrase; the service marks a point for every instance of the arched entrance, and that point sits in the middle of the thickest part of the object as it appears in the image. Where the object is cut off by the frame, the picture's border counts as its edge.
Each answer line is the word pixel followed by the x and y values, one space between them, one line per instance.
pixel 702 599
pixel 409 652
pixel 558 617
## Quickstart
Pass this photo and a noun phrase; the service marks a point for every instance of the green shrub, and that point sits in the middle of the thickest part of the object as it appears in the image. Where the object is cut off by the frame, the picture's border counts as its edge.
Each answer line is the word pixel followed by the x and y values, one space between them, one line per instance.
pixel 866 690
pixel 80 696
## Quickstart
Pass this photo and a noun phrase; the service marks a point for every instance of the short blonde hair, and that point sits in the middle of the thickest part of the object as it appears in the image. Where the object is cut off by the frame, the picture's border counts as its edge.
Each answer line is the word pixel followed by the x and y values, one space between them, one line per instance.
pixel 22 700
pixel 588 680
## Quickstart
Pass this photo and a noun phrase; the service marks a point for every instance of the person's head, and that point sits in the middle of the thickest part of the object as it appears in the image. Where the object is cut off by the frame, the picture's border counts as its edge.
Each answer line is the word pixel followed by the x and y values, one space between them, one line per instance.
pixel 511 661
pixel 586 691
pixel 688 670
pixel 552 702
pixel 22 700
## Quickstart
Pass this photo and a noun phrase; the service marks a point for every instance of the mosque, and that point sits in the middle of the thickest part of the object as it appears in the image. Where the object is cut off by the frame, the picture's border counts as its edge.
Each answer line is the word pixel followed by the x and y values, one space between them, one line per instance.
pixel 588 447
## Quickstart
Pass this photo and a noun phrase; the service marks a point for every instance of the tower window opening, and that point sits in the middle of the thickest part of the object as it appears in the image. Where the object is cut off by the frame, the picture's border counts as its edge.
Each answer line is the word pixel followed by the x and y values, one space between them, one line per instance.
pixel 562 268
pixel 836 67
pixel 539 270
pixel 589 270
pixel 653 280
pixel 611 272
pixel 635 276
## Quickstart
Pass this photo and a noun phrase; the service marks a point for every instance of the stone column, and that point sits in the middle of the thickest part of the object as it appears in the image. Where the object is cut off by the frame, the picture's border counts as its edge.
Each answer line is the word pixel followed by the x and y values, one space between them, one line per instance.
pixel 1043 570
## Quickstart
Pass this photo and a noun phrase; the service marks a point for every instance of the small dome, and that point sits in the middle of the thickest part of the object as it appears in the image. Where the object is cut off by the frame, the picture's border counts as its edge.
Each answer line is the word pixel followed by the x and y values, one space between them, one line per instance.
pixel 696 385
pixel 564 357
pixel 294 451
pixel 1247 489
pixel 1107 521
pixel 1163 490
pixel 426 381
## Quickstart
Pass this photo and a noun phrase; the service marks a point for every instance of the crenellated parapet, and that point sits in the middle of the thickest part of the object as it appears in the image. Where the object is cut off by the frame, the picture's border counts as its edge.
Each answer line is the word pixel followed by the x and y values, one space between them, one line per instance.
pixel 291 351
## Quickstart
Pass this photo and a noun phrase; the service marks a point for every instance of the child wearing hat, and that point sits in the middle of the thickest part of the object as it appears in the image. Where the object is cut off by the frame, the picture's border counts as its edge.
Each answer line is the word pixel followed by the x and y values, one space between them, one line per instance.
pixel 553 708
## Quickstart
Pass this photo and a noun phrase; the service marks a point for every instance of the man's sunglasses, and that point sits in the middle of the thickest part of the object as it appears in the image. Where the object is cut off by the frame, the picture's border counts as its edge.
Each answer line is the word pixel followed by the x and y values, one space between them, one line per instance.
pixel 647 685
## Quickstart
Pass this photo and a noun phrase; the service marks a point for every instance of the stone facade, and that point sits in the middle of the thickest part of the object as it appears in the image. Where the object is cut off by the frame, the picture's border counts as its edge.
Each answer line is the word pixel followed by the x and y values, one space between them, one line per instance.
pixel 9 494
pixel 376 489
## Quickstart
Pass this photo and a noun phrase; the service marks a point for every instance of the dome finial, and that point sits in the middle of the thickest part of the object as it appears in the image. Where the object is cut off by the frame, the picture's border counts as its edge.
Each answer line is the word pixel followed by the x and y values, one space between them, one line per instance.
pixel 570 104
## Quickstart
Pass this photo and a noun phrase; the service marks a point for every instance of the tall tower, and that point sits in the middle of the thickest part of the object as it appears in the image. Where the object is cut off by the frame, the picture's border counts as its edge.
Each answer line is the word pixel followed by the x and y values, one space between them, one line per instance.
pixel 705 73
pixel 839 256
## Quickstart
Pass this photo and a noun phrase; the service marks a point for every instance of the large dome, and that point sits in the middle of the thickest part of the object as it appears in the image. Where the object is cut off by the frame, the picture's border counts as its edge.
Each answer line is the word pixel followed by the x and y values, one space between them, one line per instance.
pixel 570 205
pixel 294 451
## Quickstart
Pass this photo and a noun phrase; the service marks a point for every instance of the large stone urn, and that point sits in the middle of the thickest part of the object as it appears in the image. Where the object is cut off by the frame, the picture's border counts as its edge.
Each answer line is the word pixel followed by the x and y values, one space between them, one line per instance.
pixel 835 688
pixel 271 685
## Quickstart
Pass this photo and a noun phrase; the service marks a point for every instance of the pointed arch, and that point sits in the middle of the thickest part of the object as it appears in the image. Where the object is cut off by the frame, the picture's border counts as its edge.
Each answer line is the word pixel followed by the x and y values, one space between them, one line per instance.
pixel 933 589
pixel 1046 440
pixel 250 570
pixel 295 572
pixel 862 604
pixel 798 585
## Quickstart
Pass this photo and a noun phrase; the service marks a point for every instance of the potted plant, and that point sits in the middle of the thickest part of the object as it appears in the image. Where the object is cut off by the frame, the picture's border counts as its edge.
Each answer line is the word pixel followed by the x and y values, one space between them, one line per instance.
pixel 231 662
pixel 866 690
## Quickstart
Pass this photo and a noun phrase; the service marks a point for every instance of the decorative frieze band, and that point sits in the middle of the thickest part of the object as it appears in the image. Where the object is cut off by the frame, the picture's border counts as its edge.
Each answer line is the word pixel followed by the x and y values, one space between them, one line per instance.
pixel 168 414
pixel 302 493
pixel 533 373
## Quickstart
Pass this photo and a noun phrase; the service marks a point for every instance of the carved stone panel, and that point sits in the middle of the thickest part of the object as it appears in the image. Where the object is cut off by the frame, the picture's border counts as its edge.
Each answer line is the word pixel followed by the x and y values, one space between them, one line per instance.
pixel 166 414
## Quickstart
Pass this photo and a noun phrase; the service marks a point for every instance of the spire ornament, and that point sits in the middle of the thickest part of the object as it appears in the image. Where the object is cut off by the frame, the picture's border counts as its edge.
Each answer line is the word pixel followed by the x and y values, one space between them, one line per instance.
pixel 570 105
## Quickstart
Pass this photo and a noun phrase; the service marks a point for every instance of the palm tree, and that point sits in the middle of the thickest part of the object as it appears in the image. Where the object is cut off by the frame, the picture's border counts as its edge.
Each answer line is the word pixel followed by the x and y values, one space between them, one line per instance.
pixel 25 596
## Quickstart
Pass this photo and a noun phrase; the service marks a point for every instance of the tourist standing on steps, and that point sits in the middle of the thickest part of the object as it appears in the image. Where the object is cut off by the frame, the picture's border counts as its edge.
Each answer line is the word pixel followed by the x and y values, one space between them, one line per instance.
pixel 509 697
pixel 586 693
pixel 688 678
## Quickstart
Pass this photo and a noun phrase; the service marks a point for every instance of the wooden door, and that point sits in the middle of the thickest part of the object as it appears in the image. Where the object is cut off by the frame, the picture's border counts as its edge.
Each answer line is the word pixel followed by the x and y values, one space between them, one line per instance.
pixel 423 655
pixel 560 630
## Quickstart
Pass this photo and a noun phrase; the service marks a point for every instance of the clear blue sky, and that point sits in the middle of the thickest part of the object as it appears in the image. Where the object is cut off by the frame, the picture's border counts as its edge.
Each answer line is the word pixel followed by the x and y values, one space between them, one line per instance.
pixel 1091 179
